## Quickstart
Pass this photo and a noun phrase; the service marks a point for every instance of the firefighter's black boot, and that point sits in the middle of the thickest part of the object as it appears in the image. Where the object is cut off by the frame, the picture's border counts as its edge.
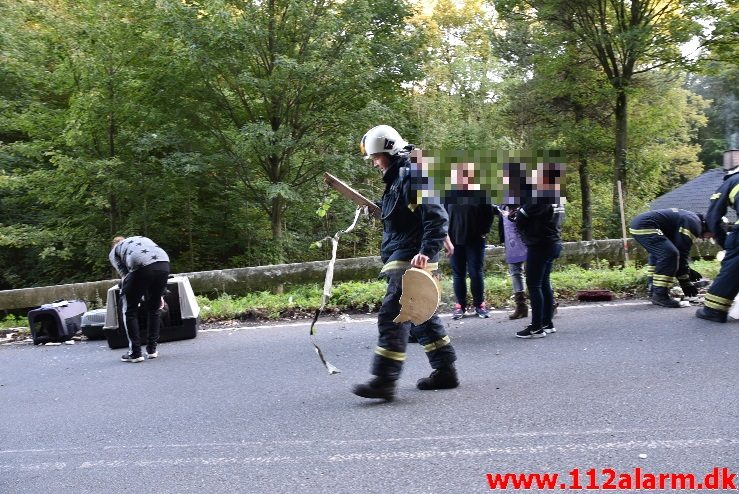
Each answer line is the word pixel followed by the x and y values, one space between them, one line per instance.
pixel 522 310
pixel 442 378
pixel 378 387
pixel 661 296
pixel 711 314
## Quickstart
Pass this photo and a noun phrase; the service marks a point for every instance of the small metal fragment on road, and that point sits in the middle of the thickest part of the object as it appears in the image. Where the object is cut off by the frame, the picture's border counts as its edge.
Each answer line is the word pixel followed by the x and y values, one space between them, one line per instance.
pixel 643 456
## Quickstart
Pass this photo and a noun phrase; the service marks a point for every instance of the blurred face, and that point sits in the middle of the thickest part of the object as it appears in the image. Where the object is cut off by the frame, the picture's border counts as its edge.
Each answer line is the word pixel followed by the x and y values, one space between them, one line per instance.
pixel 381 161
pixel 463 176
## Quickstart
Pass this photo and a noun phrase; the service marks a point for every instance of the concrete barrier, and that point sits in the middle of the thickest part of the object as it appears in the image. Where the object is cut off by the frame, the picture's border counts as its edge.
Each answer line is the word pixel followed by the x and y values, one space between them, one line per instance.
pixel 239 281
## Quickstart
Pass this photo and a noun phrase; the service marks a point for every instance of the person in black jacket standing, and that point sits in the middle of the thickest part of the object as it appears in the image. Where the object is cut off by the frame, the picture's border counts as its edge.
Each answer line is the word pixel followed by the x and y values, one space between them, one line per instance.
pixel 413 234
pixel 470 220
pixel 540 226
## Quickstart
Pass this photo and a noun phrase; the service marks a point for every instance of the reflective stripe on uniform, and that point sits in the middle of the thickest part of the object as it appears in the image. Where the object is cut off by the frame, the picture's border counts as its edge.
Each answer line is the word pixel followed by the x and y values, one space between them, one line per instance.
pixel 437 344
pixel 383 352
pixel 687 233
pixel 403 265
pixel 650 269
pixel 733 193
pixel 663 280
pixel 645 231
pixel 718 303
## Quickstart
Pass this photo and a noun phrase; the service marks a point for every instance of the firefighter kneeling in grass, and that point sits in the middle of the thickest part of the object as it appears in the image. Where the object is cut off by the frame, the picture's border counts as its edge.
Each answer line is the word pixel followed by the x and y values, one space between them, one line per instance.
pixel 668 235
pixel 413 235
pixel 725 287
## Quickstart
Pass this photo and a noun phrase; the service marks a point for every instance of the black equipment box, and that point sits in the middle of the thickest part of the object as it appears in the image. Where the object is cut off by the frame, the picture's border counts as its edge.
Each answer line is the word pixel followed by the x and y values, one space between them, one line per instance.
pixel 56 322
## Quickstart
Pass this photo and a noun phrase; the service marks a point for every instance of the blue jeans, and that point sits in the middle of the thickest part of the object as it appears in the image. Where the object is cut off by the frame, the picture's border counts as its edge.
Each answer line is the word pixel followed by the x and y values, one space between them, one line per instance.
pixel 468 259
pixel 539 262
pixel 515 269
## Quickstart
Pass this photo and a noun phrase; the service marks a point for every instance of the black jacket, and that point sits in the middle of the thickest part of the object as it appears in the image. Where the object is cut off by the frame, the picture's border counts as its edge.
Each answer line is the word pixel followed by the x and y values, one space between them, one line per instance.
pixel 409 228
pixel 679 226
pixel 725 196
pixel 469 222
pixel 540 224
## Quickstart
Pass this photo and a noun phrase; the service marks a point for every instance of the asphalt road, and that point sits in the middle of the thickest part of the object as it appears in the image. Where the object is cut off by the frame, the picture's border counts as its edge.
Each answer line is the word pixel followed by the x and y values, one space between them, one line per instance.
pixel 252 410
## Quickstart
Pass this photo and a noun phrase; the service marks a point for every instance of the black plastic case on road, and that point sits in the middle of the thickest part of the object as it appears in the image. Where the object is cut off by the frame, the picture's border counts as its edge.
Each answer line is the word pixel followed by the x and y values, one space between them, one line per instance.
pixel 172 326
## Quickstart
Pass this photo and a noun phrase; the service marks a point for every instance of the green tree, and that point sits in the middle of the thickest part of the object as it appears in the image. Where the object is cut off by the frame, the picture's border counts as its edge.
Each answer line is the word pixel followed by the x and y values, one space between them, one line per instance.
pixel 627 38
pixel 284 85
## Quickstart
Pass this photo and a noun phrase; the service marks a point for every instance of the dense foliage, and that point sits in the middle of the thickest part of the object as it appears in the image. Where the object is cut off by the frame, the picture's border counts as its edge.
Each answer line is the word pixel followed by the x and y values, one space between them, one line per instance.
pixel 207 125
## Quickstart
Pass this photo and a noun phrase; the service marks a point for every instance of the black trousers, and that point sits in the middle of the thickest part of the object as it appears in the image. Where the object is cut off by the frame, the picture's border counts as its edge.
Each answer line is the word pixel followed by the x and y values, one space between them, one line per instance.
pixel 539 261
pixel 663 255
pixel 146 286
pixel 725 287
pixel 393 338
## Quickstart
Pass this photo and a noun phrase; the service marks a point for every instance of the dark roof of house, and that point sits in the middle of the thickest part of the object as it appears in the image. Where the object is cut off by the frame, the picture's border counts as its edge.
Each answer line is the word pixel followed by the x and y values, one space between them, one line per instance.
pixel 694 195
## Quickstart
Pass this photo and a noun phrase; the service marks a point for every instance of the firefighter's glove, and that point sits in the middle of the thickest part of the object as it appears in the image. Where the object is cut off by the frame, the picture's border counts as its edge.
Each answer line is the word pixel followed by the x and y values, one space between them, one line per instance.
pixel 688 288
pixel 694 275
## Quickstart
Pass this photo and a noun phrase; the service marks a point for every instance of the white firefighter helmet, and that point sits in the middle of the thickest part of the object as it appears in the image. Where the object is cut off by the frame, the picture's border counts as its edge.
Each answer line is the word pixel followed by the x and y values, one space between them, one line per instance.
pixel 381 139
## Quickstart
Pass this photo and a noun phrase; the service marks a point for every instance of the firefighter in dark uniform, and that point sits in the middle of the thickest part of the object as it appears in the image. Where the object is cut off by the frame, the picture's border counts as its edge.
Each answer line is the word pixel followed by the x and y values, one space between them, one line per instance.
pixel 725 287
pixel 668 235
pixel 413 235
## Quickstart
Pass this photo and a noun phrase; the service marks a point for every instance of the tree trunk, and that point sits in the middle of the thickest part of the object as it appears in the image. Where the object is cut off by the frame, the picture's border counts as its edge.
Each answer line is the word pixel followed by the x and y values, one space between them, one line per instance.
pixel 276 218
pixel 587 202
pixel 619 169
pixel 586 230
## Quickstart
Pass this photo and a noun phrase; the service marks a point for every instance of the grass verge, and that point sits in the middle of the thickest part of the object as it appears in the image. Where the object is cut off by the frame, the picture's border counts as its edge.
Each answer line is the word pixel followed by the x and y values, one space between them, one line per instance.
pixel 355 296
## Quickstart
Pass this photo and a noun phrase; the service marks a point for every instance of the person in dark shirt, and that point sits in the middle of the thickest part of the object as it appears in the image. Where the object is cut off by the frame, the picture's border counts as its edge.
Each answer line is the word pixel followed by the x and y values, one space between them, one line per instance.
pixel 540 226
pixel 539 222
pixel 470 219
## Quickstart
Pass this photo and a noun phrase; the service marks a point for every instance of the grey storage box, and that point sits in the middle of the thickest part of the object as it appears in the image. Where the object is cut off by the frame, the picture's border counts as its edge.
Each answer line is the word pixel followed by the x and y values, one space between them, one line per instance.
pixel 92 324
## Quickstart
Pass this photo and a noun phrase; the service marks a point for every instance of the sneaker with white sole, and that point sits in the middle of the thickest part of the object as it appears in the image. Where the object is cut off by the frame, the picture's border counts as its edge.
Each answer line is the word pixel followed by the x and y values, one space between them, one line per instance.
pixel 151 351
pixel 482 311
pixel 127 357
pixel 531 332
pixel 549 328
pixel 458 312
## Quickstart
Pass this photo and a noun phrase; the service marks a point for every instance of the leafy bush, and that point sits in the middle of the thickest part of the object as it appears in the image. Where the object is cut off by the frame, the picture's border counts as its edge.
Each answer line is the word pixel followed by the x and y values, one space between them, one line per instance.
pixel 13 321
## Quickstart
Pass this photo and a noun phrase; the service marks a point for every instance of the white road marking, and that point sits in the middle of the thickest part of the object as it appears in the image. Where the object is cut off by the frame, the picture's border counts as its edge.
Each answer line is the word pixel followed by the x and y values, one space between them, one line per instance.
pixel 321 450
